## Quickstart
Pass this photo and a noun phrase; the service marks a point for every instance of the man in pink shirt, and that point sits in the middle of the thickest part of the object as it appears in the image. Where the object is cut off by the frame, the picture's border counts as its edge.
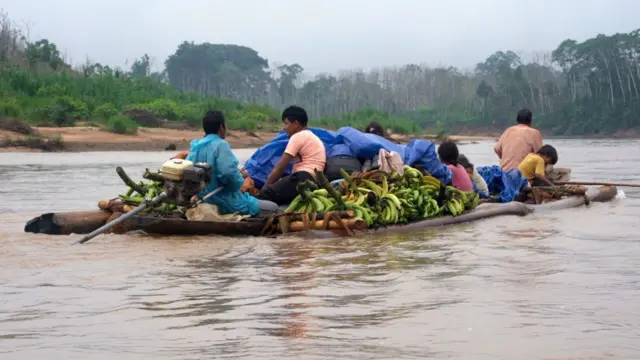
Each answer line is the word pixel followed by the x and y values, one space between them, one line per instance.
pixel 518 141
pixel 306 151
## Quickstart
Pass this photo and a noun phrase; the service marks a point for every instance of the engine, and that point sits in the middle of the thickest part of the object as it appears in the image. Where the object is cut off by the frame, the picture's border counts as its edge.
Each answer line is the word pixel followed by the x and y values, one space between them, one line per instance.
pixel 184 179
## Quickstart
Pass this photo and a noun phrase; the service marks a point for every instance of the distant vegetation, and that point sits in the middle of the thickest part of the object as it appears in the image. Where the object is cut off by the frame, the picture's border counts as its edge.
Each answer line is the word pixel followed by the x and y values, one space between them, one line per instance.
pixel 580 88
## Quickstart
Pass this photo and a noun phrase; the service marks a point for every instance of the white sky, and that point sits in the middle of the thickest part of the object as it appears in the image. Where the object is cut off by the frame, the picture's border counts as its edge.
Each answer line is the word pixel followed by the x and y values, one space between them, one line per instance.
pixel 320 35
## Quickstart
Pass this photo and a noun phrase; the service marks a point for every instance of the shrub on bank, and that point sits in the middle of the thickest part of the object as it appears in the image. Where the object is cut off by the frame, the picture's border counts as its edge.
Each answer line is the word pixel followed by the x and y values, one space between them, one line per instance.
pixel 62 111
pixel 122 124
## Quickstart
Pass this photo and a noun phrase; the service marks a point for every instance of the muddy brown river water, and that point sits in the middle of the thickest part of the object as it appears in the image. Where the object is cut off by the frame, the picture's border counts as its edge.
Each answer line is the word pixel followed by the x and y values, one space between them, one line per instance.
pixel 562 285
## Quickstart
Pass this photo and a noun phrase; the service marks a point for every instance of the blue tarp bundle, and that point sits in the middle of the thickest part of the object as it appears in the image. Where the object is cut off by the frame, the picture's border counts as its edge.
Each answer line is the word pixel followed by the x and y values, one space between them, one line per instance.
pixel 506 185
pixel 349 142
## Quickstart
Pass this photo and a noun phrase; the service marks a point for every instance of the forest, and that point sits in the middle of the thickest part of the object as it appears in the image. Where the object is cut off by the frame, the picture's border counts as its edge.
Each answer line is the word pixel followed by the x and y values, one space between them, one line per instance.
pixel 579 88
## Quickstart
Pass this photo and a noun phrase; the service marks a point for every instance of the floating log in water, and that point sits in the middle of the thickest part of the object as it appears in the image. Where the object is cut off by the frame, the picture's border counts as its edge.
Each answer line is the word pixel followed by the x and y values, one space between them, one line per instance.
pixel 65 223
pixel 596 183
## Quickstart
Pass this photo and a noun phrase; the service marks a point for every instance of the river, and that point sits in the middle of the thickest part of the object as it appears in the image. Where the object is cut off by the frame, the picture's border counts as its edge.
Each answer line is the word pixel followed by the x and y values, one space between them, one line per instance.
pixel 562 285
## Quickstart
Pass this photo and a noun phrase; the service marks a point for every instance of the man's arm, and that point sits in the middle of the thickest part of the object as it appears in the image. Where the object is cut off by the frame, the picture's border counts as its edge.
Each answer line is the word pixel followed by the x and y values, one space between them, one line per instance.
pixel 225 165
pixel 544 179
pixel 292 149
pixel 498 147
pixel 279 169
pixel 537 141
pixel 541 174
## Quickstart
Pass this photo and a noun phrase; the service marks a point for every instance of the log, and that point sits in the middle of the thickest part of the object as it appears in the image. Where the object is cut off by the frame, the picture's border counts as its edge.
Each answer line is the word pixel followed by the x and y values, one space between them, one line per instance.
pixel 353 223
pixel 600 183
pixel 65 223
pixel 343 215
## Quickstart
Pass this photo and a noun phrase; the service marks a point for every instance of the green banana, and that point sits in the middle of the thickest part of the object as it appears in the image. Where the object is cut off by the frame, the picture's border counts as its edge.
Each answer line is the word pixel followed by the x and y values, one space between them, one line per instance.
pixel 294 204
pixel 321 192
pixel 373 186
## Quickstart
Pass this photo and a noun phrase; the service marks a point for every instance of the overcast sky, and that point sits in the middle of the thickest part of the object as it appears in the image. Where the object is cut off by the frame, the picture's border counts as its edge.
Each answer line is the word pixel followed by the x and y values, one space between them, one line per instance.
pixel 320 35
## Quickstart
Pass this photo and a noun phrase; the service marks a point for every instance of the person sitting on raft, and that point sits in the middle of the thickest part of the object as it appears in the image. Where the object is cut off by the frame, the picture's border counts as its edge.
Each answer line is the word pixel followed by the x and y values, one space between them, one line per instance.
pixel 480 186
pixel 518 141
pixel 374 128
pixel 306 151
pixel 214 150
pixel 377 129
pixel 533 166
pixel 448 153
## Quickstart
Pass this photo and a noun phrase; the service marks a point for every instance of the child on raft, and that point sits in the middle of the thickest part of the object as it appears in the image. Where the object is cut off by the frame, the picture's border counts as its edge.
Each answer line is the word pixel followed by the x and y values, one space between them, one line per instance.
pixel 480 186
pixel 448 154
pixel 534 165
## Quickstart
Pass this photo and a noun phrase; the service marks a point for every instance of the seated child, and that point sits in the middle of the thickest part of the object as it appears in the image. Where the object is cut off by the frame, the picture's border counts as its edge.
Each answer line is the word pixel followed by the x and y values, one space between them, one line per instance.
pixel 448 153
pixel 478 182
pixel 533 166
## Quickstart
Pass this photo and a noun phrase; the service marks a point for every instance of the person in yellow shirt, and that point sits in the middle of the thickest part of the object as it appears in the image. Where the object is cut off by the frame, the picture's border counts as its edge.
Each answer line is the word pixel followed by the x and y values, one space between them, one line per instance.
pixel 533 166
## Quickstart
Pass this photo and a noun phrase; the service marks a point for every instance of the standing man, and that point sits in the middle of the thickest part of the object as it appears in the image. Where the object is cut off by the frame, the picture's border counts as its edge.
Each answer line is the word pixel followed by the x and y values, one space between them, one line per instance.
pixel 306 151
pixel 518 141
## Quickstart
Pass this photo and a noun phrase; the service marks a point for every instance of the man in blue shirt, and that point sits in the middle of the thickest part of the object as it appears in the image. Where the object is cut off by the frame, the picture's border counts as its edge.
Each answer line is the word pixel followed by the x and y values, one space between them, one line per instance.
pixel 214 150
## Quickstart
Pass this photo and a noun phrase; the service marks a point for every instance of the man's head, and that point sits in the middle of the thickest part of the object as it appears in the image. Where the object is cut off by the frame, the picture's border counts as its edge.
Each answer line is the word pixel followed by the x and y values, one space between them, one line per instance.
pixel 213 123
pixel 295 119
pixel 464 162
pixel 374 128
pixel 524 117
pixel 549 154
pixel 448 152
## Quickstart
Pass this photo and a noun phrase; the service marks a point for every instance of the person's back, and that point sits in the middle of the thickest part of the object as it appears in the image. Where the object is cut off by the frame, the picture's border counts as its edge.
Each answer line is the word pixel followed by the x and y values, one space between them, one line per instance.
pixel 214 150
pixel 459 178
pixel 518 141
pixel 310 154
pixel 533 166
pixel 476 180
pixel 448 154
pixel 304 149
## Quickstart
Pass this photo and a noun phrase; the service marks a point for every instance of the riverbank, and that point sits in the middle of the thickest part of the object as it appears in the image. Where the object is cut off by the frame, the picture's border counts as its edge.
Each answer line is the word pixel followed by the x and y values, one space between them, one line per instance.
pixel 85 138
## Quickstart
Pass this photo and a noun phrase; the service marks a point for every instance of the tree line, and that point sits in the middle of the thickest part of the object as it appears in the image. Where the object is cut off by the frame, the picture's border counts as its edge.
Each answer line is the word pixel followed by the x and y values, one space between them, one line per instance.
pixel 579 88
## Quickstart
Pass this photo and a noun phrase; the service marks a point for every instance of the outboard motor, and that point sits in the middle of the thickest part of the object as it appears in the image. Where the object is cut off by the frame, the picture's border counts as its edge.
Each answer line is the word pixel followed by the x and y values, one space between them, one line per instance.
pixel 183 179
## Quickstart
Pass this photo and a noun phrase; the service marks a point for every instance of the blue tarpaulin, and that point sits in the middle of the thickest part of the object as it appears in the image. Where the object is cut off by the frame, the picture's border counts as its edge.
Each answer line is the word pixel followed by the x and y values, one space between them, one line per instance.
pixel 506 185
pixel 350 142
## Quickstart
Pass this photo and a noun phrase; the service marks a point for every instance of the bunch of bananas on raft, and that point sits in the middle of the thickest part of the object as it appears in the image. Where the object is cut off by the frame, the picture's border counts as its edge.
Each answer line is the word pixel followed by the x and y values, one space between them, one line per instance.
pixel 313 200
pixel 132 199
pixel 459 201
pixel 385 199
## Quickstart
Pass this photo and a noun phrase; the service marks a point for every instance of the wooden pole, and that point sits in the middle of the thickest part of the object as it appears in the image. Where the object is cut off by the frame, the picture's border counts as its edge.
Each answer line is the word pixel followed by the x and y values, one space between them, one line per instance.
pixel 600 183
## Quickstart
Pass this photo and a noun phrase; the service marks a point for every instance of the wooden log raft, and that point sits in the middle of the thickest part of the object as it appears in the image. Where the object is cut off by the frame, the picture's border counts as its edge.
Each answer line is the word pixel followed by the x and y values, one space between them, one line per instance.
pixel 65 223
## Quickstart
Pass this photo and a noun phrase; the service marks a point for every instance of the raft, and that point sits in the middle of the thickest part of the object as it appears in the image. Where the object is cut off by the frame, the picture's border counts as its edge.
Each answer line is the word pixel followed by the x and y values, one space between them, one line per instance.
pixel 67 223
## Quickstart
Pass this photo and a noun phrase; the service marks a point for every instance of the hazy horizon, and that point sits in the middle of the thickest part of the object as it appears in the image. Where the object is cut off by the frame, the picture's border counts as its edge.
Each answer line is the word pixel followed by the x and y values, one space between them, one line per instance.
pixel 325 36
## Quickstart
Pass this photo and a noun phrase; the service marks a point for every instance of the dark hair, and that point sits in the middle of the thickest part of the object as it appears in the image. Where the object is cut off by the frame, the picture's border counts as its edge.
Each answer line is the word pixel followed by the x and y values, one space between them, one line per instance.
pixel 550 152
pixel 296 113
pixel 448 152
pixel 374 128
pixel 464 162
pixel 524 117
pixel 212 122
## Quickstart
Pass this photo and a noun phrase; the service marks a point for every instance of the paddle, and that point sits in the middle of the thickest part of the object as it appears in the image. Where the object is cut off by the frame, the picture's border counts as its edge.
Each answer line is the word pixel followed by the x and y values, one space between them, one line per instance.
pixel 156 200
pixel 600 183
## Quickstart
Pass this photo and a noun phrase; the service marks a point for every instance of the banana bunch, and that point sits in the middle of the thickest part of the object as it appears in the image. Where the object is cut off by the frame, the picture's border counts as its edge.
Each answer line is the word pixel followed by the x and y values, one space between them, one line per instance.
pixel 311 201
pixel 152 189
pixel 411 178
pixel 319 201
pixel 385 199
pixel 359 203
pixel 459 201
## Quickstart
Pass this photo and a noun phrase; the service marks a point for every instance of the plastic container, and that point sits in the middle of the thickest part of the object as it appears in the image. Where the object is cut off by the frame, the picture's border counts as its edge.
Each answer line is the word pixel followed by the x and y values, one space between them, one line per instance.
pixel 173 169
